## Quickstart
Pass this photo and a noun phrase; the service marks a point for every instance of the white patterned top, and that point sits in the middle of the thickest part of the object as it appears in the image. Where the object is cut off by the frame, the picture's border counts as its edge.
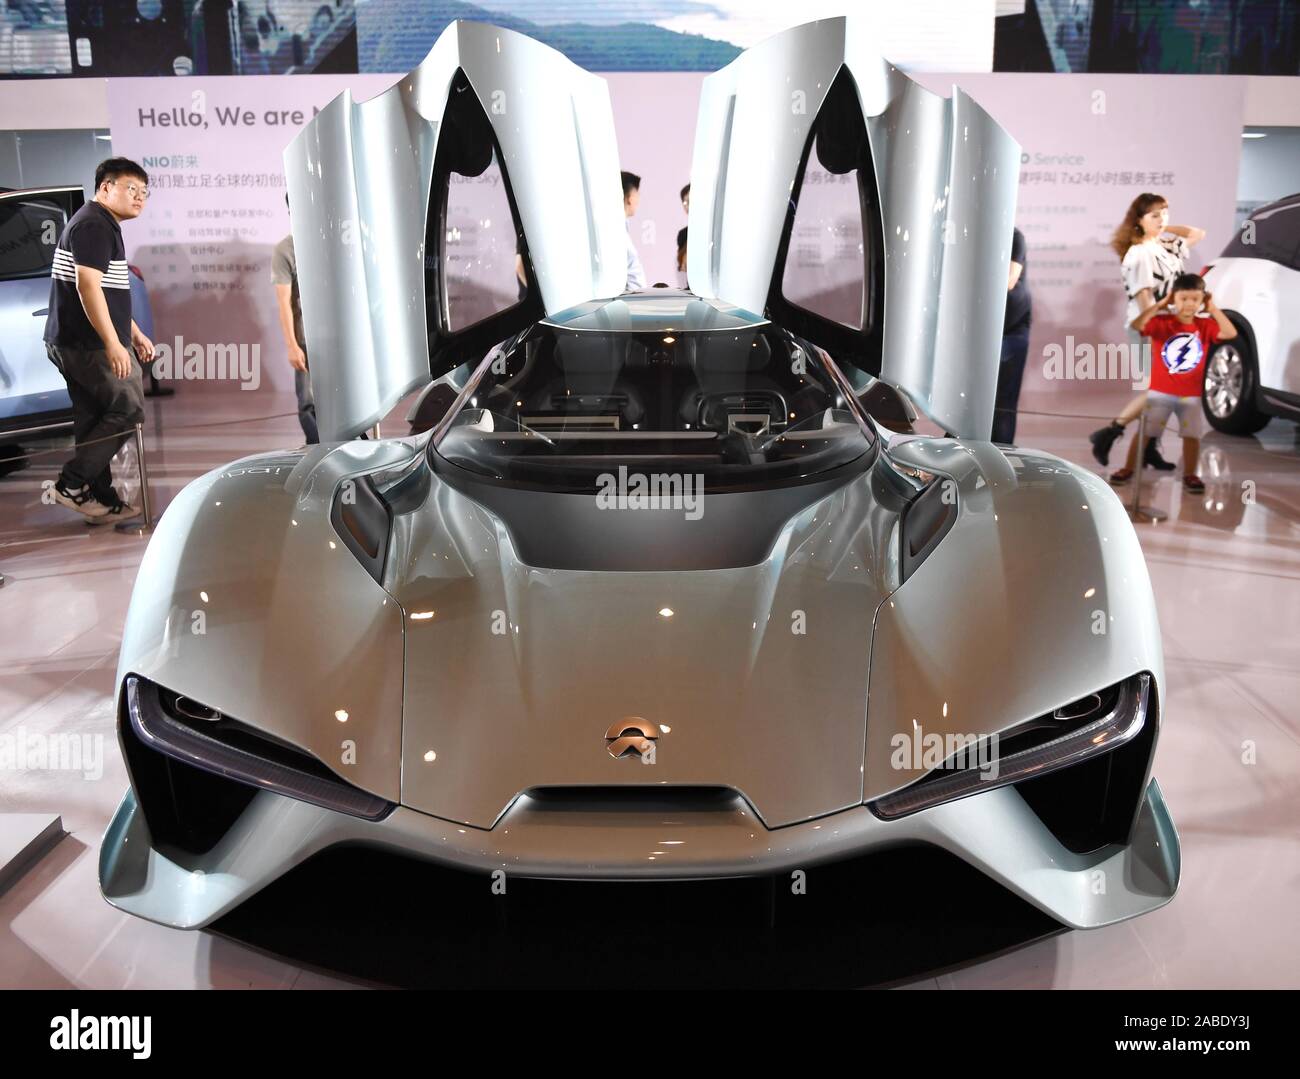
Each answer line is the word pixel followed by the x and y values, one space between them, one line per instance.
pixel 1152 264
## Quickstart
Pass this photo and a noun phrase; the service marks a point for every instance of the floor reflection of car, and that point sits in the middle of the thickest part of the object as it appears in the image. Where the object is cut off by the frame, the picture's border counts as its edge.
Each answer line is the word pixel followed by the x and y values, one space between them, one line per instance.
pixel 32 391
pixel 1256 281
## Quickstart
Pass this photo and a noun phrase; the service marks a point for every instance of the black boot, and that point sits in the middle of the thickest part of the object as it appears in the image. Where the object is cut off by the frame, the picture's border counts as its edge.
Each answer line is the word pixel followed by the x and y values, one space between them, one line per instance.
pixel 1152 458
pixel 1102 440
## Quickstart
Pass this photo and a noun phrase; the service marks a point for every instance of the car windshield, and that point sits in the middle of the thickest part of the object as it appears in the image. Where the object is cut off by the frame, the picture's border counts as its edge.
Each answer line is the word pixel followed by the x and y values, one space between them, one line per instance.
pixel 729 397
pixel 1272 232
pixel 26 228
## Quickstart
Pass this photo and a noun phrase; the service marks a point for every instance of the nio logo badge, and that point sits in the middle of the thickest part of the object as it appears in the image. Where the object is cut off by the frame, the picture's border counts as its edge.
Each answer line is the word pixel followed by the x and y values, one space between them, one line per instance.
pixel 632 736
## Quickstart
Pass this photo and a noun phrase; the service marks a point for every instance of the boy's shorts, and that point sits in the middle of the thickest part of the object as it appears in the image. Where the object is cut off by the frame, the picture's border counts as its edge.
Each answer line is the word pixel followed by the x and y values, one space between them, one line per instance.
pixel 1187 409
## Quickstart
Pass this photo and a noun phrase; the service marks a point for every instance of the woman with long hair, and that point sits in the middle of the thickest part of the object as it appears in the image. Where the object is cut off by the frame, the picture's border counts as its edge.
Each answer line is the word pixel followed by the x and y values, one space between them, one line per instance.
pixel 1152 253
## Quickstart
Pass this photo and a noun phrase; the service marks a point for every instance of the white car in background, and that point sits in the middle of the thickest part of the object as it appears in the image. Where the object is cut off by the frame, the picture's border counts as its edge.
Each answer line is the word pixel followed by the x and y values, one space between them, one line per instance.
pixel 1256 281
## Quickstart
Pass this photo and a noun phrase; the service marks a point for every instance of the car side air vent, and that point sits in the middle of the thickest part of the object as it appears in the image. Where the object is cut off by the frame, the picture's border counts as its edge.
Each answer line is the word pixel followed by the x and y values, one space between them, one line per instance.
pixel 925 522
pixel 363 521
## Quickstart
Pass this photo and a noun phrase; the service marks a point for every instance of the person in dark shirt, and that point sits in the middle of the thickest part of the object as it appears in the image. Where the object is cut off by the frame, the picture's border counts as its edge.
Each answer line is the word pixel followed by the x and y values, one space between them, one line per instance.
pixel 288 301
pixel 93 341
pixel 284 276
pixel 1015 344
pixel 631 200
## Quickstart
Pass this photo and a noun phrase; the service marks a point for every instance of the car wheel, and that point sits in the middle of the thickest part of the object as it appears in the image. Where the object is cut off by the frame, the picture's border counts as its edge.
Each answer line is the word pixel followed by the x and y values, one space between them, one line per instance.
pixel 1229 398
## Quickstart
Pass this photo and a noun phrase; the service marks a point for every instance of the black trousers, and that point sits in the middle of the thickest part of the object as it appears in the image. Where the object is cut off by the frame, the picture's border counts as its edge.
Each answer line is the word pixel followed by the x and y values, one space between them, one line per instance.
pixel 103 405
pixel 1011 371
pixel 306 406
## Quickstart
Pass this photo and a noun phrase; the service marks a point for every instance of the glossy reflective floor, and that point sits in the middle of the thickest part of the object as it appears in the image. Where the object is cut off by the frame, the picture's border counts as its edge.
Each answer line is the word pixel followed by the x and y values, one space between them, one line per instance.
pixel 1226 570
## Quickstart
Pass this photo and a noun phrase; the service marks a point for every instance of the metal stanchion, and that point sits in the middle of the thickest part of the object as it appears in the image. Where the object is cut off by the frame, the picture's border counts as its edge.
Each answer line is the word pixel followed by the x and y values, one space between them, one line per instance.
pixel 144 522
pixel 1136 510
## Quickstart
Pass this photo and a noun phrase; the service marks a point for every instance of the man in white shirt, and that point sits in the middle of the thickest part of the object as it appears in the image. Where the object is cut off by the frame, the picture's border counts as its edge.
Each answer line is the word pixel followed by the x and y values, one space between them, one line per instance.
pixel 631 199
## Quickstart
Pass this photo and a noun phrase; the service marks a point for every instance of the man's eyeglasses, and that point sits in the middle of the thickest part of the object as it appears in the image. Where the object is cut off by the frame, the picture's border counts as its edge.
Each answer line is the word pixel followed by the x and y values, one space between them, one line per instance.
pixel 135 189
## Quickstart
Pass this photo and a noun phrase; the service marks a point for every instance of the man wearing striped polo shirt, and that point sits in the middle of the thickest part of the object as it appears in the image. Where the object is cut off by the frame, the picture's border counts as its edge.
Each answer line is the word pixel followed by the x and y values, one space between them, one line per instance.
pixel 92 339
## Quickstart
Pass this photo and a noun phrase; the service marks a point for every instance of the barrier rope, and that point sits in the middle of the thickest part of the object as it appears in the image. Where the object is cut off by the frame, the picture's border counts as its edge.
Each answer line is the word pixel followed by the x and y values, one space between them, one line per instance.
pixel 287 415
pixel 229 423
pixel 120 436
pixel 1058 415
pixel 129 431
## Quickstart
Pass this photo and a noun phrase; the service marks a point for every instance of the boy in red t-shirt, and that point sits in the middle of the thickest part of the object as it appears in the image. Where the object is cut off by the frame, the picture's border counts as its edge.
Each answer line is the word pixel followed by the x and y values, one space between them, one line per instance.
pixel 1180 343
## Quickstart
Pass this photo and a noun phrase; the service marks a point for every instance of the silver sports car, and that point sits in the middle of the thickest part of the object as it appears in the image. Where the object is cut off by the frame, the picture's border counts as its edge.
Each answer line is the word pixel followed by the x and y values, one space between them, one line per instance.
pixel 668 587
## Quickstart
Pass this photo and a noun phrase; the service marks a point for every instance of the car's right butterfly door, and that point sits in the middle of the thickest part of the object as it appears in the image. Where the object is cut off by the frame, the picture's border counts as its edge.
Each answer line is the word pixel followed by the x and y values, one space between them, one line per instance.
pixel 862 211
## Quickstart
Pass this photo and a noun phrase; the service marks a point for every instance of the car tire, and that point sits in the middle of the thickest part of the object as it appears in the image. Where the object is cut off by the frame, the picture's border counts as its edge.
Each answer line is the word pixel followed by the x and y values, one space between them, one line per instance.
pixel 1229 397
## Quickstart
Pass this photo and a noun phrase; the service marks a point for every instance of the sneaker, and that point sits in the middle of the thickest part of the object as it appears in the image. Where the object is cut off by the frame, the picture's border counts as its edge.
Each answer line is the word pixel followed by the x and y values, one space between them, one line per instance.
pixel 118 511
pixel 1152 458
pixel 80 500
pixel 1120 477
pixel 1102 439
pixel 1194 484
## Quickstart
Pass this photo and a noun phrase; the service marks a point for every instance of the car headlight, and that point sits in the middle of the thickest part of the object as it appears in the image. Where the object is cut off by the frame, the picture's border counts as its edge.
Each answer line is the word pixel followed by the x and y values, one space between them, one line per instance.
pixel 217 744
pixel 1073 733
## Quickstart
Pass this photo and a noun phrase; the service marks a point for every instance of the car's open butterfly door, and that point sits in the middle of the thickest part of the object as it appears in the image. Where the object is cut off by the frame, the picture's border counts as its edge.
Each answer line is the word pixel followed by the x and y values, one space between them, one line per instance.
pixel 859 209
pixel 474 197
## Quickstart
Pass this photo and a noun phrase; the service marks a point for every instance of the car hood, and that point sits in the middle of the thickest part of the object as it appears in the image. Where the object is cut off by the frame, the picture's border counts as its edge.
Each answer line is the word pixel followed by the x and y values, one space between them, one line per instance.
pixel 756 675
